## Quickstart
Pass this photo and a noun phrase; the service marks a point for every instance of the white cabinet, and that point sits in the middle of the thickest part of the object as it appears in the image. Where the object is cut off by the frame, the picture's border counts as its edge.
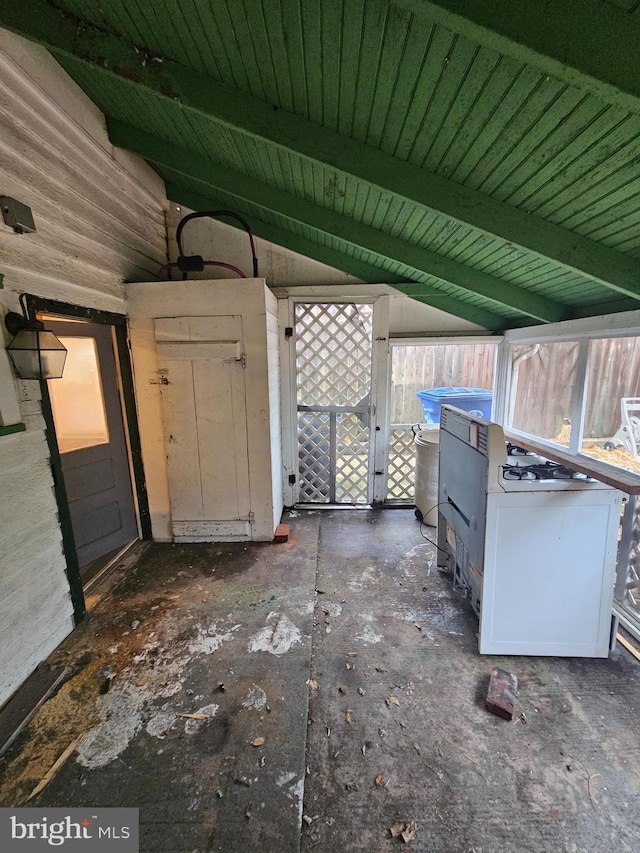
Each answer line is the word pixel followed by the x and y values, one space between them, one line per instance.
pixel 205 357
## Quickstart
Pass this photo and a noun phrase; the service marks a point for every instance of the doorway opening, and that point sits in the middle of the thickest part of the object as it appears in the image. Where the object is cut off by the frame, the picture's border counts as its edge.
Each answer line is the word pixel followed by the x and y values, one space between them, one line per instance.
pixel 94 444
pixel 424 366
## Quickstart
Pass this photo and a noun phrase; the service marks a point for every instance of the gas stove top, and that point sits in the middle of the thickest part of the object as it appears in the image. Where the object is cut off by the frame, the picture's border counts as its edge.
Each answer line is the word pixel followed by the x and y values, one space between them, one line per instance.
pixel 524 465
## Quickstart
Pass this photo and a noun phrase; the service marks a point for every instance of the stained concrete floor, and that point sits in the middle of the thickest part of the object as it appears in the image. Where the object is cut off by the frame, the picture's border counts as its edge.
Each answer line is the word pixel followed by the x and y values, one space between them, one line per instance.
pixel 347 650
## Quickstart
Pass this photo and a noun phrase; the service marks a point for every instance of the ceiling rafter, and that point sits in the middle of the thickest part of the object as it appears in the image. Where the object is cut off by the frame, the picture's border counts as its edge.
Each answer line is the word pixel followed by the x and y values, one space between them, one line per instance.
pixel 195 167
pixel 108 54
pixel 586 43
pixel 372 274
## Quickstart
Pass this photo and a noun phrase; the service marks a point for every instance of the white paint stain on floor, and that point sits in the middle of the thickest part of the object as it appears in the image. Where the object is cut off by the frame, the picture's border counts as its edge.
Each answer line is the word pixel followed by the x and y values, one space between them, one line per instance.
pixel 296 793
pixel 121 715
pixel 357 582
pixel 284 778
pixel 421 558
pixel 193 726
pixel 209 639
pixel 130 706
pixel 277 637
pixel 332 608
pixel 161 722
pixel 368 636
pixel 256 698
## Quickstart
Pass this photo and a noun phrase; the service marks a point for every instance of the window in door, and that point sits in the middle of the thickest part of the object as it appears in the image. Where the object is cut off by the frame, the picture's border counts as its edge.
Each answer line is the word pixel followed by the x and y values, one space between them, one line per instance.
pixel 78 401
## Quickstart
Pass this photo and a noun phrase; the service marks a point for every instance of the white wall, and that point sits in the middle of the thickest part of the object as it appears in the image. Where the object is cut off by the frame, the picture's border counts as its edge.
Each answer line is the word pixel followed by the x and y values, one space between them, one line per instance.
pixel 288 273
pixel 100 218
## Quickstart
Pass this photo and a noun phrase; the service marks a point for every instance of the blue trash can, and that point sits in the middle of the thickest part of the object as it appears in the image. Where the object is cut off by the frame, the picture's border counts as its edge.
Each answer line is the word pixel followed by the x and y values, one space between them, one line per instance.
pixel 474 400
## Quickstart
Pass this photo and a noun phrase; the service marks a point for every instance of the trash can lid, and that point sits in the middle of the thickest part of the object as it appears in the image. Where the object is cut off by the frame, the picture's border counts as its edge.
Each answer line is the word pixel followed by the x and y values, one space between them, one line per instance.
pixel 443 393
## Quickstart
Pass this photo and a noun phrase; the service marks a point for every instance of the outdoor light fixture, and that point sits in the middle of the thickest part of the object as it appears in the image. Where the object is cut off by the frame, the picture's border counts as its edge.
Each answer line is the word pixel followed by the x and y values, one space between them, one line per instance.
pixel 35 353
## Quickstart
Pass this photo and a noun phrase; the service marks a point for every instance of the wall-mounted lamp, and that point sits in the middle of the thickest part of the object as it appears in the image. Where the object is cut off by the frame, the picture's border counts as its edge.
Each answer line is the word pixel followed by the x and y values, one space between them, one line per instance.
pixel 35 353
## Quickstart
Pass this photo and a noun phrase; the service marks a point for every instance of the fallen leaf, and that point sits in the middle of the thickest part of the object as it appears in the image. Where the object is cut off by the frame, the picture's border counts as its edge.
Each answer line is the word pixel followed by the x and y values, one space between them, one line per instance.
pixel 361 691
pixel 347 716
pixel 193 716
pixel 142 681
pixel 313 684
pixel 392 701
pixel 380 669
pixel 397 829
pixel 257 742
pixel 380 780
pixel 349 665
pixel 409 832
pixel 204 600
pixel 220 686
pixel 417 625
pixel 352 654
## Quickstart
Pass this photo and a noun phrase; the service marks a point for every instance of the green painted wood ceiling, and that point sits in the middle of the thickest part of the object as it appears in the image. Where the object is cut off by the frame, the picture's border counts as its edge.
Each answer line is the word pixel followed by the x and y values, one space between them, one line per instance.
pixel 483 157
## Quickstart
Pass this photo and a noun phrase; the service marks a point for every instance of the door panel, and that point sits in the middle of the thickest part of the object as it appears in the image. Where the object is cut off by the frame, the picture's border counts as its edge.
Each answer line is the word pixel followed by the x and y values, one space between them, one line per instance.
pixel 205 417
pixel 90 432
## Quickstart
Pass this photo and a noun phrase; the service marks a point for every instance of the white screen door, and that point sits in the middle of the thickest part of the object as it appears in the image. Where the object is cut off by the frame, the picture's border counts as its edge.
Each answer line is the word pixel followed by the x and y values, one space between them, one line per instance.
pixel 333 345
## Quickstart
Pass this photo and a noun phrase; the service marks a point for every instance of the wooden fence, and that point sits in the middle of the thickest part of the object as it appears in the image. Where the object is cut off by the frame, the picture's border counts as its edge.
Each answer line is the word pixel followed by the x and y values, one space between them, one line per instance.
pixel 419 368
pixel 546 379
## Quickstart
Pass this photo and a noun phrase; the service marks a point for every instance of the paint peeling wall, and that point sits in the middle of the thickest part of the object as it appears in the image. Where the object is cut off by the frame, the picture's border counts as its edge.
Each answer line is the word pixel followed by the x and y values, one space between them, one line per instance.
pixel 99 216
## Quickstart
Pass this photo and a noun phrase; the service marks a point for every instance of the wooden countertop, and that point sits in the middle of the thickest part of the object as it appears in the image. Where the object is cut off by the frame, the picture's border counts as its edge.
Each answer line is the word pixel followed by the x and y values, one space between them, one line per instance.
pixel 625 481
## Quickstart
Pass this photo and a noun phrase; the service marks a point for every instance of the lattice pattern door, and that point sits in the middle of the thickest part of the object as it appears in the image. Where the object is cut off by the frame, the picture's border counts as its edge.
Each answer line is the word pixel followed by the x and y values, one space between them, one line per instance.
pixel 333 385
pixel 402 462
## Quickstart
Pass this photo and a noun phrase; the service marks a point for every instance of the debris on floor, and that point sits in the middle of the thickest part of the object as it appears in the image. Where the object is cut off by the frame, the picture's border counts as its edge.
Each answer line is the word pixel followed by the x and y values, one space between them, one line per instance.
pixel 405 830
pixel 282 533
pixel 238 723
pixel 501 695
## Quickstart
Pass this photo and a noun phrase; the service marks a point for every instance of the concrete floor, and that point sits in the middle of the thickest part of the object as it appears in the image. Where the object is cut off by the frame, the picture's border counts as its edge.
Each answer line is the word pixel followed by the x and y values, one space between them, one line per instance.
pixel 347 651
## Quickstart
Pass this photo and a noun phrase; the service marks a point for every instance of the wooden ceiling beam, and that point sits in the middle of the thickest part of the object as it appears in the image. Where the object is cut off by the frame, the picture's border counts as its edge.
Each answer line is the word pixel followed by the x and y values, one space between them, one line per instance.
pixel 367 272
pixel 590 44
pixel 165 155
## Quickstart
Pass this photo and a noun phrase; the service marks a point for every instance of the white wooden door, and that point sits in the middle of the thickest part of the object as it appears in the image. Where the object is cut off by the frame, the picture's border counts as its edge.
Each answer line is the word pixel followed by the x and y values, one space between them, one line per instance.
pixel 204 406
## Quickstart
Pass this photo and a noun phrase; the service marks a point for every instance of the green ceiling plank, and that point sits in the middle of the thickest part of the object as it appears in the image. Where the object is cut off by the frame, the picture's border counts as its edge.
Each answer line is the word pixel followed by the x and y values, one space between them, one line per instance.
pixel 352 266
pixel 443 302
pixel 595 309
pixel 107 54
pixel 585 43
pixel 163 154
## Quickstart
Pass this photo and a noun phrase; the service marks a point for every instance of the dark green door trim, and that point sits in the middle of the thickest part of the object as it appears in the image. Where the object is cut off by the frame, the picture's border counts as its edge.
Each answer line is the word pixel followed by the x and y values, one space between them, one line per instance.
pixel 118 322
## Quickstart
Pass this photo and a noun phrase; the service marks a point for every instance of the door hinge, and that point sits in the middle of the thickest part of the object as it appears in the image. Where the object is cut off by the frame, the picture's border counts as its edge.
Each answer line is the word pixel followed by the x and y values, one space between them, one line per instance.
pixel 252 517
pixel 243 360
pixel 292 479
pixel 288 332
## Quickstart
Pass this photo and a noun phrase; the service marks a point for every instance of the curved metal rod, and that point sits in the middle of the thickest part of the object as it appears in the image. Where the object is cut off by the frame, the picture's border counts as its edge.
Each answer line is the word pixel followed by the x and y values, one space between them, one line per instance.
pixel 213 214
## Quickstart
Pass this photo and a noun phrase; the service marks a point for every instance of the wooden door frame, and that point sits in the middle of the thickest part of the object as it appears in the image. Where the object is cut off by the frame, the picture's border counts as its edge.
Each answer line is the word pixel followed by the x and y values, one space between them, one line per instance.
pixel 118 322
